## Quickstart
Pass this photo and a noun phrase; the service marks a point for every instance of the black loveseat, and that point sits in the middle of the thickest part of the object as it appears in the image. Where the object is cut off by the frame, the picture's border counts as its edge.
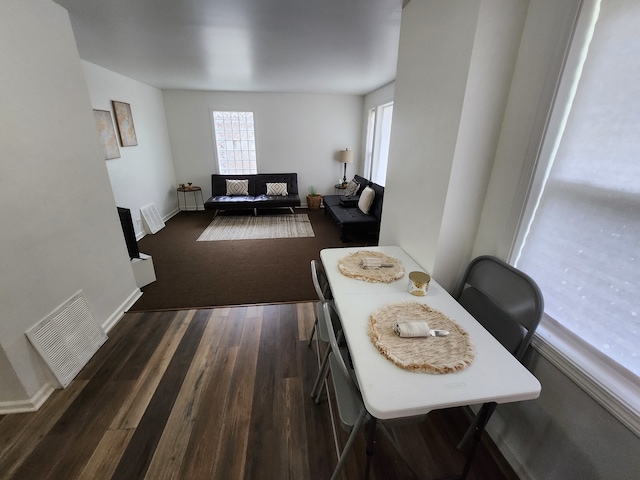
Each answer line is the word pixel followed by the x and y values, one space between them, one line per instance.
pixel 256 196
pixel 346 213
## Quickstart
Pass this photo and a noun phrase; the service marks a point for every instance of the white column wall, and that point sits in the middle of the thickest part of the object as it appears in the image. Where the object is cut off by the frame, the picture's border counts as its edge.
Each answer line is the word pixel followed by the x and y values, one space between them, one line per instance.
pixel 61 231
pixel 455 66
pixel 436 43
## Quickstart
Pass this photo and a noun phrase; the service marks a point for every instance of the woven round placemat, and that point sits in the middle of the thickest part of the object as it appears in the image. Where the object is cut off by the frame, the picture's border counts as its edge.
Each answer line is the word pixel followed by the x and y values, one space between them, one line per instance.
pixel 424 354
pixel 350 266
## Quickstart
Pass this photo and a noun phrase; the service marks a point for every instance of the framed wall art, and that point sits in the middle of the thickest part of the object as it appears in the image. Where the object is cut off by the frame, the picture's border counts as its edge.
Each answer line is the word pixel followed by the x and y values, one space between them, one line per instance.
pixel 107 134
pixel 124 120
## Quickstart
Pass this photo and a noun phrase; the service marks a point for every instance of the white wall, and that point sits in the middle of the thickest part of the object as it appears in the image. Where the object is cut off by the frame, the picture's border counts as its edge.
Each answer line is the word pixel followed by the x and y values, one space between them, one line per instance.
pixel 61 231
pixel 565 433
pixel 382 95
pixel 454 69
pixel 144 173
pixel 299 133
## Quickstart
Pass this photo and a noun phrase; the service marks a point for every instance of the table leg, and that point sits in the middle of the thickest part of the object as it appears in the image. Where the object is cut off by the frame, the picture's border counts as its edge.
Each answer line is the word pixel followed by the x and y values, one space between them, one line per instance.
pixel 184 197
pixel 370 441
pixel 201 199
pixel 478 426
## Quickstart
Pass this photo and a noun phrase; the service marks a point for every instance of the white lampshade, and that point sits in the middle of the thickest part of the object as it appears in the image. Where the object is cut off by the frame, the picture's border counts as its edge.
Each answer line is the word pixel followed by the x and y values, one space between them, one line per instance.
pixel 346 156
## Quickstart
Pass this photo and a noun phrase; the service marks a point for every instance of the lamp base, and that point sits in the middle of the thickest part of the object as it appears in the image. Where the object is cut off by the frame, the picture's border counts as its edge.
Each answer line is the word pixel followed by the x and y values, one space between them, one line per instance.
pixel 344 178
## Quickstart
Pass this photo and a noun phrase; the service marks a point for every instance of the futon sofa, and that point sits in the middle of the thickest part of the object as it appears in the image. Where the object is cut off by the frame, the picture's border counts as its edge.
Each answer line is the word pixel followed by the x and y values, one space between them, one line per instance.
pixel 253 192
pixel 347 214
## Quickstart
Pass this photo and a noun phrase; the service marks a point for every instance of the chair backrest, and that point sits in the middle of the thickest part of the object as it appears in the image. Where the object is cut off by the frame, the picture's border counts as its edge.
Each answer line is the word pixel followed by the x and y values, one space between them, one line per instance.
pixel 333 324
pixel 320 281
pixel 506 301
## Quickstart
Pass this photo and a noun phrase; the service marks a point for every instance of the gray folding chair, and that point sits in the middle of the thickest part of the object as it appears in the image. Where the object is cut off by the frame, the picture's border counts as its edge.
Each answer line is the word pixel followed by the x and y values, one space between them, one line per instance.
pixel 509 304
pixel 323 290
pixel 351 410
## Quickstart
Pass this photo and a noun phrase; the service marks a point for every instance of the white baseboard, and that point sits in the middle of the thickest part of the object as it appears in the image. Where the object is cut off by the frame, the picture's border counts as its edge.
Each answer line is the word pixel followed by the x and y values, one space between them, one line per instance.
pixel 35 402
pixel 30 405
pixel 115 317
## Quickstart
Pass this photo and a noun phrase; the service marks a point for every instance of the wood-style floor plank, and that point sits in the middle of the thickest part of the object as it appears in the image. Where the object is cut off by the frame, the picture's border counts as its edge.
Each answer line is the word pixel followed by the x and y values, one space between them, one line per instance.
pixel 219 394
pixel 136 458
pixel 306 319
pixel 143 390
pixel 169 455
pixel 199 461
pixel 20 431
pixel 107 455
pixel 231 451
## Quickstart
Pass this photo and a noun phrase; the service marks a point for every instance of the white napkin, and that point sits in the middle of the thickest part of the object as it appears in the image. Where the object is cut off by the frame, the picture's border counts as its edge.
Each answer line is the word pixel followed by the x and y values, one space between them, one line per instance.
pixel 411 329
pixel 371 262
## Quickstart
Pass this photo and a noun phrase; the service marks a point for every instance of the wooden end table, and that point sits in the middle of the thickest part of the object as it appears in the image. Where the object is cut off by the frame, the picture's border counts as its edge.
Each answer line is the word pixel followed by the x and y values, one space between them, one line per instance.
pixel 192 188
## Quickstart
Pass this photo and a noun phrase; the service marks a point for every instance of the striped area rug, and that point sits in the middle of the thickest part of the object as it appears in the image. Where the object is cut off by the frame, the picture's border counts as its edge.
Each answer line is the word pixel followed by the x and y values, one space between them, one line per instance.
pixel 252 228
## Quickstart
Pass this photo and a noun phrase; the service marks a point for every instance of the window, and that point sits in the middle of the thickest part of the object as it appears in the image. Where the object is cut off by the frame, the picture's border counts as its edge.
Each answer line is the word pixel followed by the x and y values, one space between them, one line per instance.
pixel 582 240
pixel 377 148
pixel 235 142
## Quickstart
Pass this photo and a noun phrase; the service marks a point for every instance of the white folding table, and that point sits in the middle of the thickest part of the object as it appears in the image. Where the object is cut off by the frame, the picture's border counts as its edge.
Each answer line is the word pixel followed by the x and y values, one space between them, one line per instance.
pixel 390 392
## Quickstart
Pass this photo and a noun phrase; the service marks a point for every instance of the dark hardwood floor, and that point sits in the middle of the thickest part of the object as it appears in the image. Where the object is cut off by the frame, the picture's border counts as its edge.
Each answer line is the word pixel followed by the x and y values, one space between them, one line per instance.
pixel 212 394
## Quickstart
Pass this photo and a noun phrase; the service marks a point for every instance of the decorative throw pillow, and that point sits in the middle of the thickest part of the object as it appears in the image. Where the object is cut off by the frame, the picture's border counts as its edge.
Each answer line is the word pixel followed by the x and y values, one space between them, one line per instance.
pixel 277 189
pixel 352 188
pixel 237 187
pixel 366 199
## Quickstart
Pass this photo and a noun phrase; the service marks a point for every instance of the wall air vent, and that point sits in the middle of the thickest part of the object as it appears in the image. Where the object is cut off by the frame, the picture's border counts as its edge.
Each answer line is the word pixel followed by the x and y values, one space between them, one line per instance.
pixel 152 219
pixel 67 338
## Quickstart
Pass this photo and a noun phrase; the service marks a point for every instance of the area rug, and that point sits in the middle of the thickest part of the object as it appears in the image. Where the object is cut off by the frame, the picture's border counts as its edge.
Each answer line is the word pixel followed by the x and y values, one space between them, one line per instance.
pixel 254 228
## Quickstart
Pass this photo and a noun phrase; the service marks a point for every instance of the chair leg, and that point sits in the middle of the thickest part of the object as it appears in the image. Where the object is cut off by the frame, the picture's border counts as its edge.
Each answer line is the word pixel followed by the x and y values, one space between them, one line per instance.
pixel 352 437
pixel 316 392
pixel 313 331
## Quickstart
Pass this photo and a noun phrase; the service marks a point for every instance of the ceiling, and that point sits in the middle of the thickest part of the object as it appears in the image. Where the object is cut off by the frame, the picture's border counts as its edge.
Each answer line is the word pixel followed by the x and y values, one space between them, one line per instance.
pixel 297 46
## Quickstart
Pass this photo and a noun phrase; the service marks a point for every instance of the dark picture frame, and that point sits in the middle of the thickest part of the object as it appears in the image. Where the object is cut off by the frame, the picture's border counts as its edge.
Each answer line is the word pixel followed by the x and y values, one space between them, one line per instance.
pixel 107 134
pixel 124 120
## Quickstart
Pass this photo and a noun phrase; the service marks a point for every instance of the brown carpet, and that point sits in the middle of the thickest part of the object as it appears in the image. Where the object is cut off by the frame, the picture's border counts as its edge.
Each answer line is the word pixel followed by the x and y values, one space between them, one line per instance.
pixel 193 274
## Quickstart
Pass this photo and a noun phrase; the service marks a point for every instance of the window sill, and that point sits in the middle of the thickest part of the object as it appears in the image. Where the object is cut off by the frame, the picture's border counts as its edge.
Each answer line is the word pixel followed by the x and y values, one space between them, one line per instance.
pixel 613 387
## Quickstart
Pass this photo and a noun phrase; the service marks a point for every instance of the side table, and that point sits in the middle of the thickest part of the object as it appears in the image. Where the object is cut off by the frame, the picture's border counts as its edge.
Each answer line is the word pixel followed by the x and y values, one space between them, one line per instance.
pixel 339 188
pixel 184 191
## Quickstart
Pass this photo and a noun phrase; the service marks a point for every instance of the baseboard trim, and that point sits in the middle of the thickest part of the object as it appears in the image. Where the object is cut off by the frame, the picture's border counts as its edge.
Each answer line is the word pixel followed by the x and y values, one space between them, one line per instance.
pixel 115 317
pixel 30 405
pixel 33 403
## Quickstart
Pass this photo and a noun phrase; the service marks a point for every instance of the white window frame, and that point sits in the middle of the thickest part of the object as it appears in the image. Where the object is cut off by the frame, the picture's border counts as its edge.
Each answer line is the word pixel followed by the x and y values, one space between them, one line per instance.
pixel 239 147
pixel 611 385
pixel 377 144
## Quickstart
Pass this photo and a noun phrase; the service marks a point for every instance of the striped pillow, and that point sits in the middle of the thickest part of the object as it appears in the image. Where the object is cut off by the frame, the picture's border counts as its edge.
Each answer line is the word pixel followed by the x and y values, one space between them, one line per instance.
pixel 237 187
pixel 352 188
pixel 277 189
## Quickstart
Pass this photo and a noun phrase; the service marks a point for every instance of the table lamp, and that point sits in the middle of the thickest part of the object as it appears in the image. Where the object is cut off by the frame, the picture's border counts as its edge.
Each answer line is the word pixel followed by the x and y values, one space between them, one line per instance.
pixel 346 156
